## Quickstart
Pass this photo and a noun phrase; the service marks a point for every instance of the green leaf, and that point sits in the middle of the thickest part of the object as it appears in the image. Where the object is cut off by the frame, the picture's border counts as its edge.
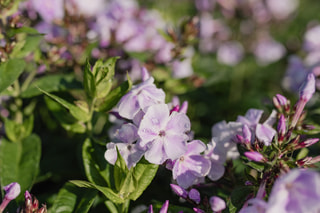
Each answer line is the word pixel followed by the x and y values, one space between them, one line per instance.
pixel 120 171
pixel 114 96
pixel 73 199
pixel 255 165
pixel 67 121
pixel 143 173
pixel 89 82
pixel 95 166
pixel 240 195
pixel 28 30
pixel 19 162
pixel 109 193
pixel 302 153
pixel 10 71
pixel 111 207
pixel 27 46
pixel 74 110
pixel 16 131
pixel 52 83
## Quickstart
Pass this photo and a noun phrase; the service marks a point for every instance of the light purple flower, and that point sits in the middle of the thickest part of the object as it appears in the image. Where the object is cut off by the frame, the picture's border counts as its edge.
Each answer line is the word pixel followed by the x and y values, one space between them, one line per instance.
pixel 49 10
pixel 87 7
pixel 163 134
pixel 295 192
pixel 183 68
pixel 230 53
pixel 254 205
pixel 217 157
pixel 217 204
pixel 282 9
pixel 191 165
pixel 312 39
pixel 130 151
pixel 194 195
pixel 140 97
pixel 268 51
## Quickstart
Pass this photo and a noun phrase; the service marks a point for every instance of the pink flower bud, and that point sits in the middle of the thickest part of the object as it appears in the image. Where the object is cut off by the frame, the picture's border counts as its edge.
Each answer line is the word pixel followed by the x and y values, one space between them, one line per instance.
pixel 198 210
pixel 150 209
pixel 164 208
pixel 281 99
pixel 184 107
pixel 181 192
pixel 194 195
pixel 307 143
pixel 254 156
pixel 217 204
pixel 281 127
pixel 308 88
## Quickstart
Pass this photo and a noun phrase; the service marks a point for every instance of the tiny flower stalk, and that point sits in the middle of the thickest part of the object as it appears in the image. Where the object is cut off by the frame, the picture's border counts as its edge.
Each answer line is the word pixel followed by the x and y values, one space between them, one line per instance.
pixel 12 191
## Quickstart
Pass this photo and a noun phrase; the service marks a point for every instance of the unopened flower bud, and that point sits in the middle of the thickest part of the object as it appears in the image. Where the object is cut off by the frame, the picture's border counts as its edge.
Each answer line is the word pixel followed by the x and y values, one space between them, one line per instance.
pixel 145 74
pixel 181 192
pixel 254 156
pixel 281 128
pixel 164 208
pixel 239 139
pixel 307 143
pixel 175 109
pixel 197 210
pixel 194 195
pixel 184 107
pixel 217 204
pixel 304 161
pixel 43 209
pixel 281 100
pixel 308 88
pixel 150 209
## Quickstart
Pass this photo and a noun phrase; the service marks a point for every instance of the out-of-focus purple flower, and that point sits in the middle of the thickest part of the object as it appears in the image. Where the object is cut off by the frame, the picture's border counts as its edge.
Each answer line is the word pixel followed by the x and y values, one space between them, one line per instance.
pixel 194 195
pixel 230 53
pixel 205 5
pixel 282 9
pixel 295 192
pixel 191 165
pixel 163 134
pixel 141 96
pixel 312 39
pixel 268 51
pixel 246 132
pixel 254 205
pixel 86 7
pixel 223 134
pixel 217 204
pixel 255 156
pixel 217 157
pixel 12 191
pixel 308 88
pixel 295 74
pixel 181 192
pixel 49 10
pixel 183 68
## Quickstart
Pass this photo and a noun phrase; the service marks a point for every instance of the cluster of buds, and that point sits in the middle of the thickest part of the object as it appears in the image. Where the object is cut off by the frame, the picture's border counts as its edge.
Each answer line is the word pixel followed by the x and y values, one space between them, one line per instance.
pixel 32 205
pixel 216 204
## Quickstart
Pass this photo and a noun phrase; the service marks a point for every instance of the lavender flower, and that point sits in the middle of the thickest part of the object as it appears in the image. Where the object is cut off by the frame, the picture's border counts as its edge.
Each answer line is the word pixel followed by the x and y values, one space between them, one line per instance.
pixel 49 10
pixel 282 9
pixel 163 134
pixel 194 195
pixel 191 166
pixel 140 97
pixel 295 192
pixel 217 157
pixel 230 53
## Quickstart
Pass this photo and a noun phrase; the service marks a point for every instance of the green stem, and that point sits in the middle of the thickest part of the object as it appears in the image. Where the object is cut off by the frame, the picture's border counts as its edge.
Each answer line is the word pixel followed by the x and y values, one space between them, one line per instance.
pixel 28 80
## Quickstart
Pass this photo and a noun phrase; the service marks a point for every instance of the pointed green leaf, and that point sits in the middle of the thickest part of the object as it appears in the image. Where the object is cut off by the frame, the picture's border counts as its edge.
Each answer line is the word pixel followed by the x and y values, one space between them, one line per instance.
pixel 52 83
pixel 89 82
pixel 109 193
pixel 143 173
pixel 10 71
pixel 19 162
pixel 95 165
pixel 120 171
pixel 74 110
pixel 27 46
pixel 114 96
pixel 73 199
pixel 111 207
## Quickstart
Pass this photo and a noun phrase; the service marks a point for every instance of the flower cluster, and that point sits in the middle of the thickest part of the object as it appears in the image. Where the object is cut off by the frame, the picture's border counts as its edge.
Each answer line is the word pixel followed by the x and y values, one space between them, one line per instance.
pixel 161 133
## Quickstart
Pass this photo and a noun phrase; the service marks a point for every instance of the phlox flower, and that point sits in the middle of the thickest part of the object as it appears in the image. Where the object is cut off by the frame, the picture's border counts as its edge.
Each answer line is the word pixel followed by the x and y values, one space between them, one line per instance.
pixel 140 97
pixel 264 132
pixel 130 151
pixel 163 134
pixel 49 10
pixel 295 192
pixel 191 165
pixel 217 157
